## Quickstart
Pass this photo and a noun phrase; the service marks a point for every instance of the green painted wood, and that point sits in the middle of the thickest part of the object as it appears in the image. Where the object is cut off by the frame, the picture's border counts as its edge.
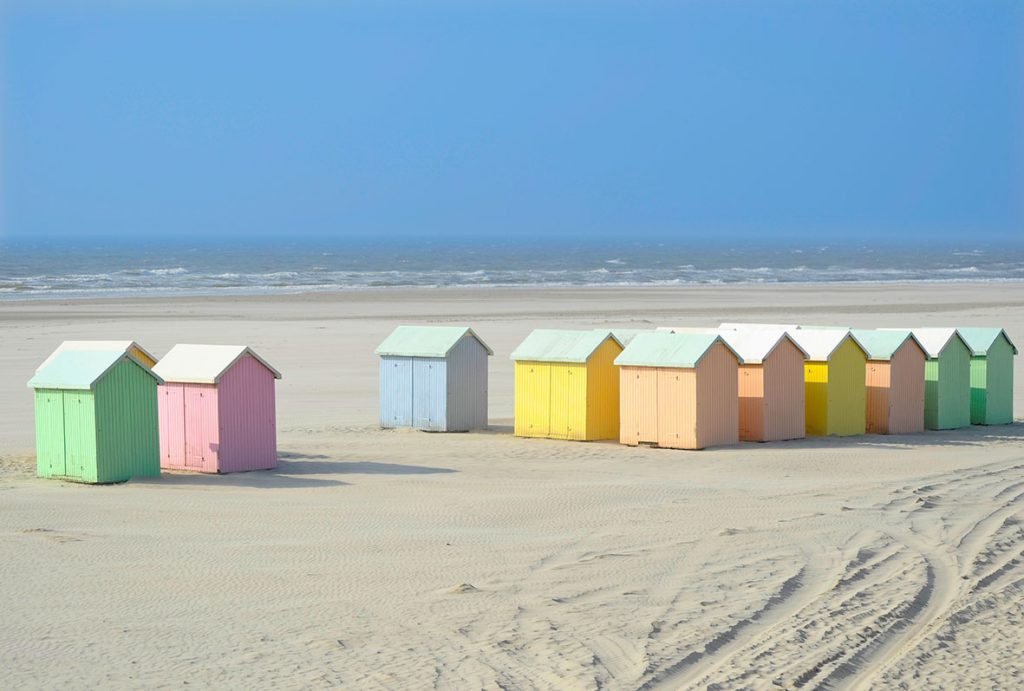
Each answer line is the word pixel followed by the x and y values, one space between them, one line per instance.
pixel 947 388
pixel 50 461
pixel 979 389
pixel 992 385
pixel 128 436
pixel 80 436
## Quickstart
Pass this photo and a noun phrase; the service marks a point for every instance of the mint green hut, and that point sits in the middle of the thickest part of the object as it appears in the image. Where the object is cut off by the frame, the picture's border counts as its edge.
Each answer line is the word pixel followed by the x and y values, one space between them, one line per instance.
pixel 992 354
pixel 96 417
pixel 947 378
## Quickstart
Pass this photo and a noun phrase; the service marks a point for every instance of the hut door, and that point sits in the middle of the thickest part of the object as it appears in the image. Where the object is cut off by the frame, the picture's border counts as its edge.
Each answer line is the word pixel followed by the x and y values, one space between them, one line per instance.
pixel 50 434
pixel 172 426
pixel 398 391
pixel 647 400
pixel 428 393
pixel 561 401
pixel 198 418
pixel 79 433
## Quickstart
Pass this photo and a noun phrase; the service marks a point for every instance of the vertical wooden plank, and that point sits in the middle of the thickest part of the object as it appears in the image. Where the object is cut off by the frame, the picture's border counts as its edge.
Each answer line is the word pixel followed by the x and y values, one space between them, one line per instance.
pixel 533 399
pixel 247 414
pixel 783 381
pixel 80 436
pixel 647 401
pixel 50 451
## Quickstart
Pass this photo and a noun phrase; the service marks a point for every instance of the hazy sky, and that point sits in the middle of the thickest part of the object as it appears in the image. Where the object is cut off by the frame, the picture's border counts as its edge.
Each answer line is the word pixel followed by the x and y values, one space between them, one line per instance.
pixel 569 120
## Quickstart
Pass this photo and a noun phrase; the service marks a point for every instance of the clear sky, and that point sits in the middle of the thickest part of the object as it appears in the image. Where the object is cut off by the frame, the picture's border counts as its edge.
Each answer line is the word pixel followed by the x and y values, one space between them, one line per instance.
pixel 727 120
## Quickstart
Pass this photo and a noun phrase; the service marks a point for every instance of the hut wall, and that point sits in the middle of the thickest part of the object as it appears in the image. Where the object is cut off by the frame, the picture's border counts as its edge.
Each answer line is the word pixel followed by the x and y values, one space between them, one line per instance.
pixel 877 376
pixel 676 409
pixel 141 356
pixel 906 390
pixel 601 397
pixel 467 386
pixel 50 450
pixel 816 398
pixel 189 426
pixel 752 403
pixel 717 400
pixel 568 401
pixel 783 393
pixel 992 385
pixel 532 399
pixel 638 405
pixel 127 424
pixel 395 391
pixel 846 390
pixel 429 393
pixel 248 418
pixel 80 435
pixel 948 389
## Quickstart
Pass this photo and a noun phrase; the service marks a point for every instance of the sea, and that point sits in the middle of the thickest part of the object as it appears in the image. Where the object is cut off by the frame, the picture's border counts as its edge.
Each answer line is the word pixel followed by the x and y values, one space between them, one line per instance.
pixel 68 271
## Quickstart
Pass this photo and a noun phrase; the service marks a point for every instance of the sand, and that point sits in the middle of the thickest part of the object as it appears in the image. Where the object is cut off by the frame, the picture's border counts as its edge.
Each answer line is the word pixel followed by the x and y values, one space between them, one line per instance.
pixel 405 559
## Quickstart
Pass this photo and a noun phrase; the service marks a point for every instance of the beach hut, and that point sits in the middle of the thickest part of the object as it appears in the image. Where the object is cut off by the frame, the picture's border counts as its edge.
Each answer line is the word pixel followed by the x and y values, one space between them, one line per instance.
pixel 678 391
pixel 433 378
pixel 771 384
pixel 834 376
pixel 947 378
pixel 138 352
pixel 567 385
pixel 992 354
pixel 217 408
pixel 96 417
pixel 624 336
pixel 894 377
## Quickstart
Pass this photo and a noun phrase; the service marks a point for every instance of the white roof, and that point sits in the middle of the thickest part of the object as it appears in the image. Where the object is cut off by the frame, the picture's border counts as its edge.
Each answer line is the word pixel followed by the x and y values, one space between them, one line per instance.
pixel 93 346
pixel 935 339
pixel 203 364
pixel 754 345
pixel 819 344
pixel 743 326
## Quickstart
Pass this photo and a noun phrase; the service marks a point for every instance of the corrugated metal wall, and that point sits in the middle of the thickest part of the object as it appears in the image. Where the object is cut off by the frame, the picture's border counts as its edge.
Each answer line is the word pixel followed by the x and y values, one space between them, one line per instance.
pixel 601 403
pixel 50 460
pixel 395 391
pixel 847 406
pixel 784 393
pixel 467 386
pixel 202 433
pixel 532 399
pixel 717 398
pixel 953 392
pixel 127 424
pixel 80 436
pixel 906 390
pixel 247 411
pixel 429 393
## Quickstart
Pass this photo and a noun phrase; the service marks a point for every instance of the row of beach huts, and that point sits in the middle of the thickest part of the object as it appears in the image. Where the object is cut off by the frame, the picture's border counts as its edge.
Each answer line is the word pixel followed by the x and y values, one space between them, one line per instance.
pixel 691 388
pixel 107 411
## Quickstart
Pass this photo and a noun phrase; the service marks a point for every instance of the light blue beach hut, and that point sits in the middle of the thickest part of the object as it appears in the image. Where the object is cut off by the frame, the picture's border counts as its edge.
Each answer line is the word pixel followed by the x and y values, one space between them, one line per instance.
pixel 433 378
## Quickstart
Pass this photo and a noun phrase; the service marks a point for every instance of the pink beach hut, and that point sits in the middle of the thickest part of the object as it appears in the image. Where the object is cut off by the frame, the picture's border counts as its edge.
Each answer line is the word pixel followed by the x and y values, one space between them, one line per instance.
pixel 217 409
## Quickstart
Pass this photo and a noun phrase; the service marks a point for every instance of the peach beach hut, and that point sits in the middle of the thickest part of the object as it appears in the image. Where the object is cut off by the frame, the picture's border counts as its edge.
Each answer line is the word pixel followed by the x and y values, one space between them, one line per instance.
pixel 217 409
pixel 678 391
pixel 894 377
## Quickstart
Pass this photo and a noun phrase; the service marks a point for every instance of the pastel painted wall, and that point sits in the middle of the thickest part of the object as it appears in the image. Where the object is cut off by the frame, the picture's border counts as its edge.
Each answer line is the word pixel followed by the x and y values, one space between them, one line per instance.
pixel 992 385
pixel 947 403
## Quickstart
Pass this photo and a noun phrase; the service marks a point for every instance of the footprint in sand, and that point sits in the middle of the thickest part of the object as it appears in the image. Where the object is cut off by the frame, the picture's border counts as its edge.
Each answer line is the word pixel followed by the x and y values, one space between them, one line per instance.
pixel 49 534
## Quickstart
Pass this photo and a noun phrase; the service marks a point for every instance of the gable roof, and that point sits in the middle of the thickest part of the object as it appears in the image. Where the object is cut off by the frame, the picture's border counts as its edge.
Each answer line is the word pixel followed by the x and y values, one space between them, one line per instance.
pixel 624 336
pixel 81 369
pixel 122 346
pixel 820 344
pixel 740 326
pixel 980 339
pixel 882 344
pixel 426 341
pixel 660 349
pixel 754 345
pixel 935 339
pixel 203 364
pixel 561 345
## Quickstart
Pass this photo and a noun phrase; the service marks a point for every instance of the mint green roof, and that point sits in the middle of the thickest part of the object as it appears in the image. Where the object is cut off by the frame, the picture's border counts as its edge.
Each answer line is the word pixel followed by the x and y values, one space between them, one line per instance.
pixel 560 345
pixel 80 369
pixel 426 341
pixel 882 345
pixel 660 349
pixel 980 339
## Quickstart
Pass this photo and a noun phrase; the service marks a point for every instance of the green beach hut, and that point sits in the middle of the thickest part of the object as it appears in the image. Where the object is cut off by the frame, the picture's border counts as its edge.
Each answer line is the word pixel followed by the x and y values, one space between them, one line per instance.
pixel 947 378
pixel 96 417
pixel 992 354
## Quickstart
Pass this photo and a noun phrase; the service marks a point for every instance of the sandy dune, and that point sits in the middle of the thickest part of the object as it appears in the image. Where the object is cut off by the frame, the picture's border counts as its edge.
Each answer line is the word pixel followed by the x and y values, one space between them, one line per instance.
pixel 410 560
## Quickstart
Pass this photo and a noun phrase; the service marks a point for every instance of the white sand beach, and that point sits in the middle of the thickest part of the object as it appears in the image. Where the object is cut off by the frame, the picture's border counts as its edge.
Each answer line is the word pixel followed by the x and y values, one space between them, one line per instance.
pixel 405 560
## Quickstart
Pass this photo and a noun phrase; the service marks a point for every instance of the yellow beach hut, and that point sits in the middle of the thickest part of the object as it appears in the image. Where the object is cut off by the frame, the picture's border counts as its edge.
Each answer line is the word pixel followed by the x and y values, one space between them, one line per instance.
pixel 567 385
pixel 835 395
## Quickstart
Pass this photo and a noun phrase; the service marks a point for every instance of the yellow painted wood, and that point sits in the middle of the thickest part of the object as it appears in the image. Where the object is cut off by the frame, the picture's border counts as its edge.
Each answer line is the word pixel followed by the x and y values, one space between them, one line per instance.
pixel 532 399
pixel 816 398
pixel 568 401
pixel 602 393
pixel 142 357
pixel 847 394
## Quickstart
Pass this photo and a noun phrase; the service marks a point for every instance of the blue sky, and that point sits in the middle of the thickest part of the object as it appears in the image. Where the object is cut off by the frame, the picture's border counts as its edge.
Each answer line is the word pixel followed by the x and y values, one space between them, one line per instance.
pixel 574 121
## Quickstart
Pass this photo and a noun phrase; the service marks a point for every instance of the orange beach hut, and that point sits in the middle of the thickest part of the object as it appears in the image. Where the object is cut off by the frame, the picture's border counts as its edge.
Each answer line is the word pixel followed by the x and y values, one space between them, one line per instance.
pixel 894 377
pixel 678 391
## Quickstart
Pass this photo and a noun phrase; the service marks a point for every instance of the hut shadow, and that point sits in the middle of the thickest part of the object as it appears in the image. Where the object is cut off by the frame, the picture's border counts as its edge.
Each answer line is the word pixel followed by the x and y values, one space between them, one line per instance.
pixel 258 479
pixel 976 435
pixel 495 429
pixel 293 463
